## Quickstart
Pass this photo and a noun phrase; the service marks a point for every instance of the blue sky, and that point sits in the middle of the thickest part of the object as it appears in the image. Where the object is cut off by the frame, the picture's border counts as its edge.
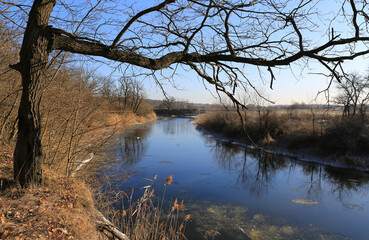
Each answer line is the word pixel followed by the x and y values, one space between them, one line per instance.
pixel 296 83
pixel 291 85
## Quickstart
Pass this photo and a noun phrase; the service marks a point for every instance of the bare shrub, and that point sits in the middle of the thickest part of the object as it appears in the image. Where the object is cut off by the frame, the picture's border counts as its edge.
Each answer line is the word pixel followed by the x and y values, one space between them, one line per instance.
pixel 346 137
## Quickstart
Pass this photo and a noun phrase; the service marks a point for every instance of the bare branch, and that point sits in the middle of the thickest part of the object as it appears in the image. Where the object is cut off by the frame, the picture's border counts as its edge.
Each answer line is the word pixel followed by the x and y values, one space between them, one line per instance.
pixel 137 16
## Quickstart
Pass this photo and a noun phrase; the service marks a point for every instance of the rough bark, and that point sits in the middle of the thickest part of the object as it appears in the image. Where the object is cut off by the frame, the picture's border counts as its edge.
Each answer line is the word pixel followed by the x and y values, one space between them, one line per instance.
pixel 33 60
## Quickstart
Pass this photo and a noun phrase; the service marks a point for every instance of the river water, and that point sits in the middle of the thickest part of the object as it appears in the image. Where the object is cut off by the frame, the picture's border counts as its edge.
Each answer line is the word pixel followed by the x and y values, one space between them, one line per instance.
pixel 234 193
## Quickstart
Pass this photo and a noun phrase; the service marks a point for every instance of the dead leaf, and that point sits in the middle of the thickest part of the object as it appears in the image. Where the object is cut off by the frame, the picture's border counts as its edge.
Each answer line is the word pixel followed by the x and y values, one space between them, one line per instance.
pixel 6 233
pixel 2 218
pixel 62 230
pixel 43 201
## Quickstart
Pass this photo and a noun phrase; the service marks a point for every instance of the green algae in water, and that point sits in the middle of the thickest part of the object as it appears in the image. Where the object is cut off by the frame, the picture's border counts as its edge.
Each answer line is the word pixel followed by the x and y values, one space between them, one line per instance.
pixel 215 221
pixel 304 201
pixel 165 162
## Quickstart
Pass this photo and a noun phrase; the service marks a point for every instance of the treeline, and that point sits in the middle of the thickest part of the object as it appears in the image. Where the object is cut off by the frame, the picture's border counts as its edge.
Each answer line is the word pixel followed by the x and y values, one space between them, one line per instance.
pixel 76 105
pixel 173 107
pixel 125 94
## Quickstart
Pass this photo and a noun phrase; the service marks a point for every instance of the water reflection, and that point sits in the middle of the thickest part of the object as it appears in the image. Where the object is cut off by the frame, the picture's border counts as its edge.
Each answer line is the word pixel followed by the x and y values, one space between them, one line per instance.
pixel 130 148
pixel 256 171
pixel 176 127
pixel 217 179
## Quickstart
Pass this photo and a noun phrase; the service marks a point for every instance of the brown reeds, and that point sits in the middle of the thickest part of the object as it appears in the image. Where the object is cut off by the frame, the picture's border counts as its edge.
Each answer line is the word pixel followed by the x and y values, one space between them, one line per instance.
pixel 146 217
pixel 317 130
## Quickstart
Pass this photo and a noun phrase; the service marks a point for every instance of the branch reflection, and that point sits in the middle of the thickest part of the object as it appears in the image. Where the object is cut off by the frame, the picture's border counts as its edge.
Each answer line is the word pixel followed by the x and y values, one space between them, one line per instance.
pixel 256 172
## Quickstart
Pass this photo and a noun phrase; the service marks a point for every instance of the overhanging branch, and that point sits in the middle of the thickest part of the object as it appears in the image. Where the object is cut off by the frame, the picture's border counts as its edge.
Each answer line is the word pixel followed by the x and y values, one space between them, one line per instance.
pixel 71 43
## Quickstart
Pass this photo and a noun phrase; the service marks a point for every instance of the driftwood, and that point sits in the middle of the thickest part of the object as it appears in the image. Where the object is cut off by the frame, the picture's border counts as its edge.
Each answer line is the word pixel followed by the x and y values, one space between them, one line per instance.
pixel 109 229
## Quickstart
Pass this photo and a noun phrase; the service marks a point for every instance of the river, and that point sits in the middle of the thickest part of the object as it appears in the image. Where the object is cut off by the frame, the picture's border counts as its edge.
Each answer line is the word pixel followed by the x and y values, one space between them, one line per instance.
pixel 235 193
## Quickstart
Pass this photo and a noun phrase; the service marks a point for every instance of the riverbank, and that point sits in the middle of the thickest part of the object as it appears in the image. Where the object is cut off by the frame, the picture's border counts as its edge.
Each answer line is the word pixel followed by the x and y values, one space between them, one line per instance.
pixel 58 209
pixel 298 143
pixel 61 207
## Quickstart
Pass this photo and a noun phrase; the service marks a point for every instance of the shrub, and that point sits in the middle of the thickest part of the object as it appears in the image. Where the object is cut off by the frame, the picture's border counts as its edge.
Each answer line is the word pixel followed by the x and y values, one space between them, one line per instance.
pixel 346 136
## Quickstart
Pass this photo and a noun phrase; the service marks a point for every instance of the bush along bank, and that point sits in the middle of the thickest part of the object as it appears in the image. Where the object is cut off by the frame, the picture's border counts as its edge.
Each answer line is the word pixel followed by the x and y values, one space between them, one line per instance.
pixel 328 139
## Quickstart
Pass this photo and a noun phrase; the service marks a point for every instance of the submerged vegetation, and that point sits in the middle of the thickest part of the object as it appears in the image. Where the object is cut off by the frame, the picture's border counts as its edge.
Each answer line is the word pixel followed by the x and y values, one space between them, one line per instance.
pixel 213 222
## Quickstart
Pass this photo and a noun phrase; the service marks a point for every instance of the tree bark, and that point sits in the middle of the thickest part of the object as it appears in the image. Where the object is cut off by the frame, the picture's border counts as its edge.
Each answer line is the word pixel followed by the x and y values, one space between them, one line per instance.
pixel 34 54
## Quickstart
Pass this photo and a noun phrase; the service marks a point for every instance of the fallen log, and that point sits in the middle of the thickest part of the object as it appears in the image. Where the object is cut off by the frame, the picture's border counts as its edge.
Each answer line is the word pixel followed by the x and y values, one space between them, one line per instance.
pixel 109 229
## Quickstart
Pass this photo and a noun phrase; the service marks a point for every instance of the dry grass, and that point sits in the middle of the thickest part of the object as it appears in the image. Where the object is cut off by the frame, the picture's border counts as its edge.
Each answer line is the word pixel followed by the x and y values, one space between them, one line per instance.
pixel 128 117
pixel 270 122
pixel 144 218
pixel 58 209
pixel 261 126
pixel 313 131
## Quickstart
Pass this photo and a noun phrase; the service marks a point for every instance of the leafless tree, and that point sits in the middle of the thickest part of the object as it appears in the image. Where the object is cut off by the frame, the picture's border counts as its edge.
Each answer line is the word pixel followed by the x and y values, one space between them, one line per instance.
pixel 9 81
pixel 130 94
pixel 353 94
pixel 219 40
pixel 168 103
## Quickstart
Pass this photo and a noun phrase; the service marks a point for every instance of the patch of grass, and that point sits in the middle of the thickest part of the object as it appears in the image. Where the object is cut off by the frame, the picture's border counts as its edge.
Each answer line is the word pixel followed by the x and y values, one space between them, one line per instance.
pixel 55 210
pixel 266 124
pixel 341 140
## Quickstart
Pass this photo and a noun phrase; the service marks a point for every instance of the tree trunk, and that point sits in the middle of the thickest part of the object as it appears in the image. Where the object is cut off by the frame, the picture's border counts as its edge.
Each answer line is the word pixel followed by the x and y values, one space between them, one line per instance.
pixel 34 54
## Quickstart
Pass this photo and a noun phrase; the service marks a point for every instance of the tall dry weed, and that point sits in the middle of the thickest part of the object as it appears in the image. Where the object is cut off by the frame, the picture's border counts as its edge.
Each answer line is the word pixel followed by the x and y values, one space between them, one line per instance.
pixel 146 217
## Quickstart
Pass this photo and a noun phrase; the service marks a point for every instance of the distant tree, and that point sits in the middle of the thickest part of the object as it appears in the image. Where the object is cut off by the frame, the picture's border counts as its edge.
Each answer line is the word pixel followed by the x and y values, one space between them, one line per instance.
pixel 137 95
pixel 130 94
pixel 215 39
pixel 292 110
pixel 353 94
pixel 168 103
pixel 124 91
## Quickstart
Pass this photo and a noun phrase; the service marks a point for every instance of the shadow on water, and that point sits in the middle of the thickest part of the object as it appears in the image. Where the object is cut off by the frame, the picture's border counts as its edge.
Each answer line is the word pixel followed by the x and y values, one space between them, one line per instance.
pixel 236 193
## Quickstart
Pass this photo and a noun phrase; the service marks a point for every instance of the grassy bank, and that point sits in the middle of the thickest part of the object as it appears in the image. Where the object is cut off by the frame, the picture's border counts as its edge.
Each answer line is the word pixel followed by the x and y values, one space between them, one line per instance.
pixel 310 133
pixel 57 209
pixel 62 207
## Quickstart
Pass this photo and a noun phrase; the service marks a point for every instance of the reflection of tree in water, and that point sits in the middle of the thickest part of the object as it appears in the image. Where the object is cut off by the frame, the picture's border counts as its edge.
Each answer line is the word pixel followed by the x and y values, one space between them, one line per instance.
pixel 264 170
pixel 176 126
pixel 255 170
pixel 130 148
pixel 314 183
pixel 226 155
pixel 345 182
pixel 342 182
pixel 115 167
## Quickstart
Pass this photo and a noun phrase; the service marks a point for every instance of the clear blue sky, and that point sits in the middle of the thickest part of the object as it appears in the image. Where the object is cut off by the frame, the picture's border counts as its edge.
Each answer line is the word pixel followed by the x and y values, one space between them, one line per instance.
pixel 297 83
